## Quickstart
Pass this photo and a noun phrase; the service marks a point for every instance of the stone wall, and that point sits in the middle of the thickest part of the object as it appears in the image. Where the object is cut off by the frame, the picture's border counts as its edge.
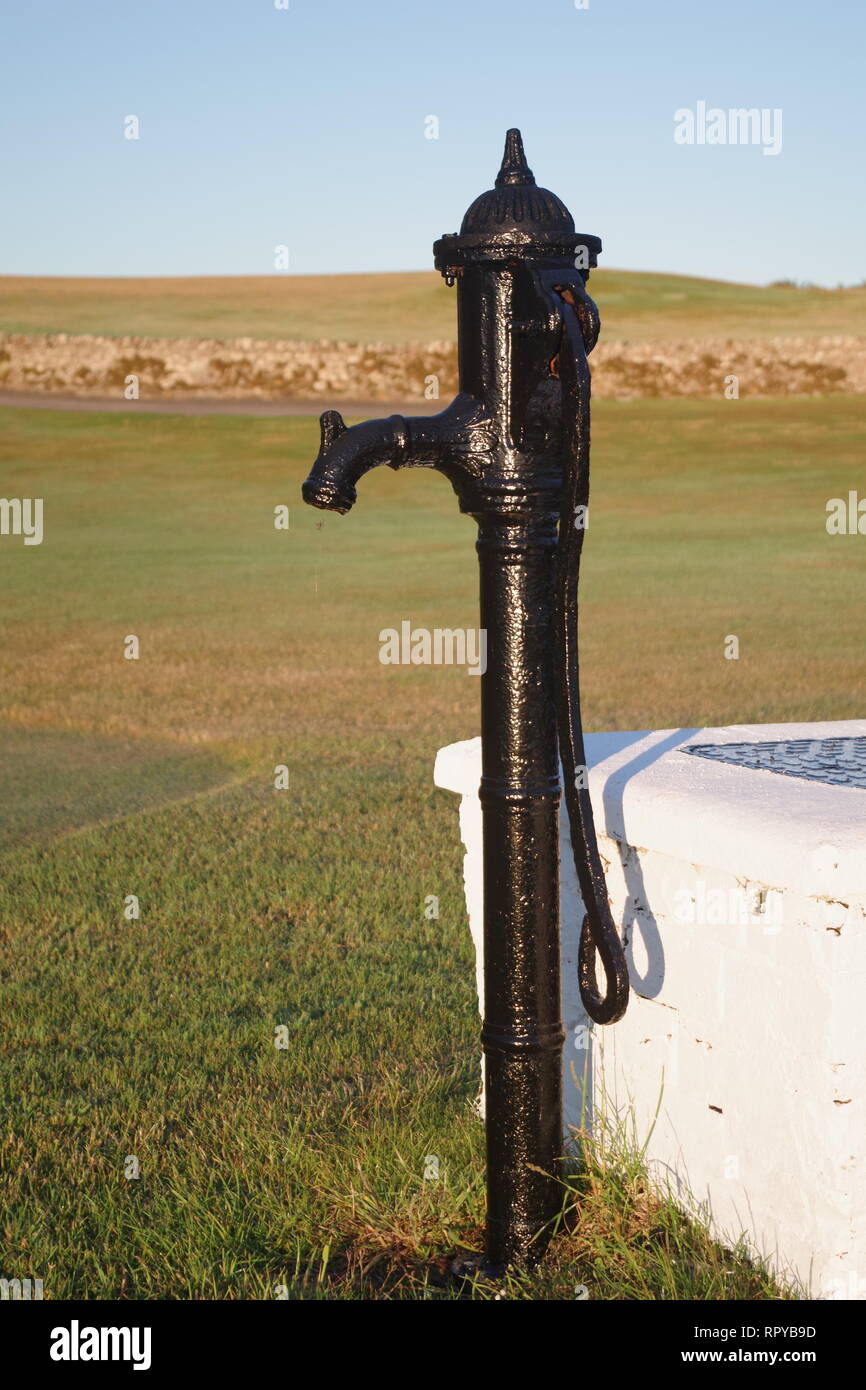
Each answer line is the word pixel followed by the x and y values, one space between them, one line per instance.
pixel 243 368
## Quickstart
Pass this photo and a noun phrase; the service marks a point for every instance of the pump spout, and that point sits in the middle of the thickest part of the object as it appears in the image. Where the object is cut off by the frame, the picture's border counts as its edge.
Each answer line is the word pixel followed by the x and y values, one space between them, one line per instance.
pixel 345 455
pixel 456 442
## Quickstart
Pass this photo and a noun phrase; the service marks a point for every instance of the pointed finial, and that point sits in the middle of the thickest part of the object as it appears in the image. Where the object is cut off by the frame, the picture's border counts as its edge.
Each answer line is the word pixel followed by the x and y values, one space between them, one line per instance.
pixel 514 167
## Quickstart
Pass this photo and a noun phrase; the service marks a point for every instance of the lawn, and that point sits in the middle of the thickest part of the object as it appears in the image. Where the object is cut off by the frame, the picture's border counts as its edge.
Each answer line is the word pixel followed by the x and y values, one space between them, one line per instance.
pixel 396 308
pixel 297 916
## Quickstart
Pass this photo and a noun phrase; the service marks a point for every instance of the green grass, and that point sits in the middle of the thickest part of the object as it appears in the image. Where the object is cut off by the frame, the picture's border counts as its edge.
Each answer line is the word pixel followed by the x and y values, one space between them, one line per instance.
pixel 395 308
pixel 304 1167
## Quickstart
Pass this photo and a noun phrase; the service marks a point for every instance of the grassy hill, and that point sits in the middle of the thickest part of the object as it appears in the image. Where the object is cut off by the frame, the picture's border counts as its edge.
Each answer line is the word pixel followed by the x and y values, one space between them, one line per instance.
pixel 396 308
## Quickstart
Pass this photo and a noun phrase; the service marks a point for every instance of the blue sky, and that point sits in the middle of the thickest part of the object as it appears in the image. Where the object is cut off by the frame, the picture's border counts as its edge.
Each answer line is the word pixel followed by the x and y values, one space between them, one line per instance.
pixel 305 127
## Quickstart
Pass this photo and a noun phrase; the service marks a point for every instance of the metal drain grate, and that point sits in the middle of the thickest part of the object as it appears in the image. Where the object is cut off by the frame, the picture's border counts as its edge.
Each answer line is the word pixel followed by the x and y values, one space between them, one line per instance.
pixel 839 761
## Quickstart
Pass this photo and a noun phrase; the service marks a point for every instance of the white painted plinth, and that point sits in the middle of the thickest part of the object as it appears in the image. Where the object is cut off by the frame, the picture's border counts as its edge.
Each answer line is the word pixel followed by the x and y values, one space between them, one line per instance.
pixel 741 1061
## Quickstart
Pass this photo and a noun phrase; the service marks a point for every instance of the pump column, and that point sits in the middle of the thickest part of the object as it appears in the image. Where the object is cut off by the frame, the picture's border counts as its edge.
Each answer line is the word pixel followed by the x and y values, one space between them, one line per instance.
pixel 522 1033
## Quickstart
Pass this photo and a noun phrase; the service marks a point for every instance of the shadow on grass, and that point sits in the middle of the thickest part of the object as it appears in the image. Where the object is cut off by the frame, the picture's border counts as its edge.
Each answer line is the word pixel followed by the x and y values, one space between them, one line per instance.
pixel 56 781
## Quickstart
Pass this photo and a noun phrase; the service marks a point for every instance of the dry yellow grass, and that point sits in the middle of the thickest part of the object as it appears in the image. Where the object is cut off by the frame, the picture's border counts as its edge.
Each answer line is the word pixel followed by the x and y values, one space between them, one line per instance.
pixel 395 308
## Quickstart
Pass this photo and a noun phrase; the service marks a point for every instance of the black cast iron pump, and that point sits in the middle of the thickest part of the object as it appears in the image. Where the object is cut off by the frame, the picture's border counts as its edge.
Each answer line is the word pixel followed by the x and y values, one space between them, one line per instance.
pixel 514 444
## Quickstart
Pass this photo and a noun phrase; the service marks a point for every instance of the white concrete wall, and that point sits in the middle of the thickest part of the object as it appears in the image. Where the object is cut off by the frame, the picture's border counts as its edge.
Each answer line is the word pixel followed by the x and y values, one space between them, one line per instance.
pixel 742 1058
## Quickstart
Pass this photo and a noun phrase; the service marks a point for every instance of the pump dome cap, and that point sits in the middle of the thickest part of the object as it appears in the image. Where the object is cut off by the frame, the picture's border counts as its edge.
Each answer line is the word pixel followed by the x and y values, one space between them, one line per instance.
pixel 516 203
pixel 515 216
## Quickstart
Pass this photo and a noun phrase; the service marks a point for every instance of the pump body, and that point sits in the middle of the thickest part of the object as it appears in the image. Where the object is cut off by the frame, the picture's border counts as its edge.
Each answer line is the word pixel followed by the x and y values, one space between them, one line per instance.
pixel 515 445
